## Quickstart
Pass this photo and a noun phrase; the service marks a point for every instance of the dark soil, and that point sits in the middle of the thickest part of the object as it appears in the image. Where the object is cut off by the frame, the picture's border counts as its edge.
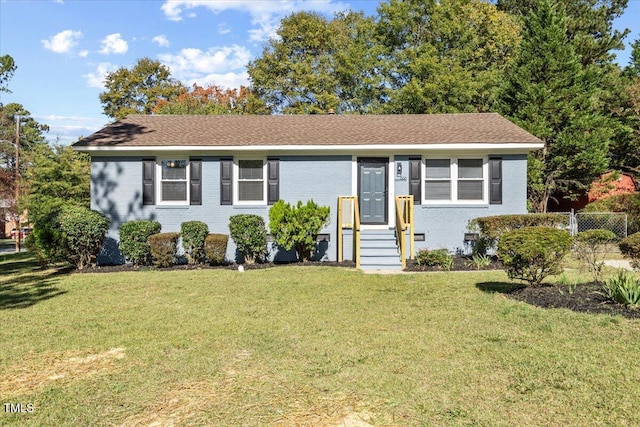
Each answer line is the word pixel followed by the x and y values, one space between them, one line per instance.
pixel 256 266
pixel 585 297
pixel 460 263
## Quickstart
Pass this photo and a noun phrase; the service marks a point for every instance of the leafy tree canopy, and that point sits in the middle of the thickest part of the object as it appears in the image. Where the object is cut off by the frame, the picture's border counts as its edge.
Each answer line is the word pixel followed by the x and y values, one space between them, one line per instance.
pixel 139 89
pixel 212 100
pixel 7 69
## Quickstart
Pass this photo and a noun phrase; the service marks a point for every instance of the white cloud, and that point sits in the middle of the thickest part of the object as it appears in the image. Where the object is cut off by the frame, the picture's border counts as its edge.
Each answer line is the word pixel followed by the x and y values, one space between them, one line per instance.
pixel 161 40
pixel 67 129
pixel 62 42
pixel 194 65
pixel 83 53
pixel 114 43
pixel 265 14
pixel 228 80
pixel 96 78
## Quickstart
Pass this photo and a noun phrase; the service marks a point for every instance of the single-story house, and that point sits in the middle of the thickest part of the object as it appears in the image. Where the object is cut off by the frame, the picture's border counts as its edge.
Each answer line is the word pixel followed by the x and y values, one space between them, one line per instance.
pixel 176 168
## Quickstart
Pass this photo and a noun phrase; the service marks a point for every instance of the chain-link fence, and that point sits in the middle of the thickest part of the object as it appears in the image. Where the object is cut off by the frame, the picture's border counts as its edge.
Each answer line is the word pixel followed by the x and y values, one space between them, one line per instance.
pixel 612 221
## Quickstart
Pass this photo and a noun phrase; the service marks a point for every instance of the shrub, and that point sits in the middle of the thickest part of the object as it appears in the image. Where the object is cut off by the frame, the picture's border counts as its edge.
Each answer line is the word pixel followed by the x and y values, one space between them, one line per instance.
pixel 83 232
pixel 627 203
pixel 630 248
pixel 491 228
pixel 163 247
pixel 46 238
pixel 297 226
pixel 591 247
pixel 193 234
pixel 250 236
pixel 215 248
pixel 436 258
pixel 134 240
pixel 532 253
pixel 623 288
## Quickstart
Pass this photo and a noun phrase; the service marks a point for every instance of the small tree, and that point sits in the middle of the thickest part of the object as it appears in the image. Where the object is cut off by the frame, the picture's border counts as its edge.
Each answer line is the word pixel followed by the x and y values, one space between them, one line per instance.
pixel 297 226
pixel 591 247
pixel 533 253
pixel 250 235
pixel 193 235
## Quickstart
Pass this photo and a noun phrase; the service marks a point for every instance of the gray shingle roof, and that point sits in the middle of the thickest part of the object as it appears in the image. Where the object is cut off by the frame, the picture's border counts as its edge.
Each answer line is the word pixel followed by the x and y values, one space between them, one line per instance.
pixel 311 130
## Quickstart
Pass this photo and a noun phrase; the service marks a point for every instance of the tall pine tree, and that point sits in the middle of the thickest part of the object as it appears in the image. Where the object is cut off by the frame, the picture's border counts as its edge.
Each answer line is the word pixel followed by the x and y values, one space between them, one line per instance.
pixel 552 95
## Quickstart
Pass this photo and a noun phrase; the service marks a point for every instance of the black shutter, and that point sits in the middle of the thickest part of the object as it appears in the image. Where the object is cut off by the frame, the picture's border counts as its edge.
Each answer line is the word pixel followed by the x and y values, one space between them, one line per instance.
pixel 148 182
pixel 273 181
pixel 195 181
pixel 415 180
pixel 495 181
pixel 226 181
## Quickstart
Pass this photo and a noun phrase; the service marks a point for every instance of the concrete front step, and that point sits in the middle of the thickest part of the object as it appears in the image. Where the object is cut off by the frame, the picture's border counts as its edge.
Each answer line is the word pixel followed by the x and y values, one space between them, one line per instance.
pixel 378 250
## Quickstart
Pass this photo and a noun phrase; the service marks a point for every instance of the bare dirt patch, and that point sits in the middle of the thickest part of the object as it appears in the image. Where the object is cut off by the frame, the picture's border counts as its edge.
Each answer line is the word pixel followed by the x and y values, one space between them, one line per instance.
pixel 37 371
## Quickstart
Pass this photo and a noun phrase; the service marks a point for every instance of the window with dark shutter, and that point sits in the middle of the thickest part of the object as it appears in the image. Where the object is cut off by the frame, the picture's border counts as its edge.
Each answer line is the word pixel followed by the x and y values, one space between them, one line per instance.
pixel 495 181
pixel 195 181
pixel 226 181
pixel 273 181
pixel 415 181
pixel 148 181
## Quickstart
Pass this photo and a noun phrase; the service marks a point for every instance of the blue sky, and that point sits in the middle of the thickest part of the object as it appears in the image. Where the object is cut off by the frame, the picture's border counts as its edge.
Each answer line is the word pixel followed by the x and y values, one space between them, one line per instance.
pixel 63 48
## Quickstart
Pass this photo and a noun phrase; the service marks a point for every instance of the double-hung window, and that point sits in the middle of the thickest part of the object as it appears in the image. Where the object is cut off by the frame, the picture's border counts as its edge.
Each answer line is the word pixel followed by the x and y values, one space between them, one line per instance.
pixel 251 183
pixel 455 180
pixel 174 188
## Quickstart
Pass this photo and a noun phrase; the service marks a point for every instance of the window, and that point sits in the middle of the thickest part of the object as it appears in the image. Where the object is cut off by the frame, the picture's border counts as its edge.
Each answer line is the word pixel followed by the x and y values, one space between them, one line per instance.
pixel 173 181
pixel 454 180
pixel 251 183
pixel 470 180
pixel 437 184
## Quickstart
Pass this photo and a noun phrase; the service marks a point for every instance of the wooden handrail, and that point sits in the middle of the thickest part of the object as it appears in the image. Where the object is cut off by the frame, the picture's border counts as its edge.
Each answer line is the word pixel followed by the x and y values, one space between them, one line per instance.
pixel 353 222
pixel 404 222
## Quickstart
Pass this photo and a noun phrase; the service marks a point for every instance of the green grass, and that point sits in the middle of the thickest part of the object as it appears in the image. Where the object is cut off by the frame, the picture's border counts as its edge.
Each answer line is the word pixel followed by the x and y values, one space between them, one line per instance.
pixel 304 346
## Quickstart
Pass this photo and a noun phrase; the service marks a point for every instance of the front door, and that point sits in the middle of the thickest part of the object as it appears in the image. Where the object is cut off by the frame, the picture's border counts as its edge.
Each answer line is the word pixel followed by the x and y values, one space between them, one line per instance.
pixel 372 190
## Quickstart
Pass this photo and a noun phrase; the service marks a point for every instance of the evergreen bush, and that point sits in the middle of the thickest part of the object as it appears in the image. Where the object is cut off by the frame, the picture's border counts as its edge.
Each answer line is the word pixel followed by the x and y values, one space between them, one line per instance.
pixel 163 247
pixel 436 258
pixel 215 248
pixel 250 236
pixel 630 248
pixel 297 226
pixel 533 253
pixel 134 240
pixel 83 231
pixel 193 235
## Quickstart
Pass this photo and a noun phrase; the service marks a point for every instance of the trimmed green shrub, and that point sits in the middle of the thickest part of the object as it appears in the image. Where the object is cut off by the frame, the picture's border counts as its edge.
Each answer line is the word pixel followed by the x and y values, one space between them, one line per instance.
pixel 627 203
pixel 297 226
pixel 193 234
pixel 591 246
pixel 533 253
pixel 46 239
pixel 250 236
pixel 215 248
pixel 83 232
pixel 630 248
pixel 624 288
pixel 490 228
pixel 163 247
pixel 436 258
pixel 134 240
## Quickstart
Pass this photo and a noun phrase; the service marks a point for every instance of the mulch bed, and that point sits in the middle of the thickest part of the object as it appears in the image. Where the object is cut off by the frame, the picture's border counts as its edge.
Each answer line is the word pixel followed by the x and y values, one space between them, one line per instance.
pixel 460 263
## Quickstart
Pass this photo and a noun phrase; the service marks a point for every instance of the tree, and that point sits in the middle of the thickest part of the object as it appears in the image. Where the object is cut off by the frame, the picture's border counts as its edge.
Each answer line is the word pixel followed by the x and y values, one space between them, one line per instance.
pixel 552 95
pixel 212 100
pixel 7 69
pixel 445 56
pixel 589 25
pixel 139 89
pixel 316 65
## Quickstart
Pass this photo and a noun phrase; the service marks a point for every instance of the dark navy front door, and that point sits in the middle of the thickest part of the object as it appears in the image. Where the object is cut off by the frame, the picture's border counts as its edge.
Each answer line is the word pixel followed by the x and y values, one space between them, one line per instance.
pixel 372 189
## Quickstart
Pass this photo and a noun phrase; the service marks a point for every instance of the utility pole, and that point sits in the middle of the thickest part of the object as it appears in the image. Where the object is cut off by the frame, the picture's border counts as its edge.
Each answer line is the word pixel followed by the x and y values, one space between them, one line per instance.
pixel 17 217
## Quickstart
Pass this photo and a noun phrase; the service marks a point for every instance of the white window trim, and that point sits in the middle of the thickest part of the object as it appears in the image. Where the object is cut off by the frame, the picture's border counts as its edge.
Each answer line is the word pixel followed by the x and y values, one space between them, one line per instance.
pixel 159 180
pixel 236 182
pixel 453 179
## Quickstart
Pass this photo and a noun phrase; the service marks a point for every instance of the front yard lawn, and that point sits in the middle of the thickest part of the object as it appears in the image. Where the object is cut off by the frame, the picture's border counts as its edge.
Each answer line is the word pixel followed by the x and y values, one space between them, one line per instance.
pixel 312 346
